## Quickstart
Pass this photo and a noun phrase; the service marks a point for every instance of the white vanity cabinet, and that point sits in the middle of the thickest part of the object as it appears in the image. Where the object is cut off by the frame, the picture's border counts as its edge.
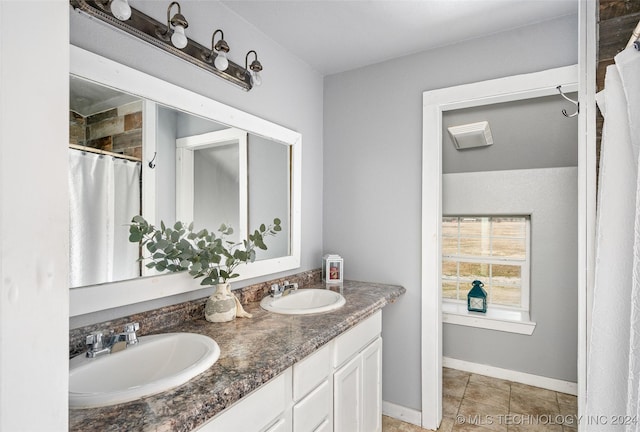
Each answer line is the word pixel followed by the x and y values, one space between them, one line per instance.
pixel 357 379
pixel 313 392
pixel 338 388
pixel 267 409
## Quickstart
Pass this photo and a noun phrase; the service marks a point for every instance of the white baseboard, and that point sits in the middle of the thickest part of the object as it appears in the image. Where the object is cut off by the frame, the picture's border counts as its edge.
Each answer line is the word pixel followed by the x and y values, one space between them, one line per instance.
pixel 511 375
pixel 408 415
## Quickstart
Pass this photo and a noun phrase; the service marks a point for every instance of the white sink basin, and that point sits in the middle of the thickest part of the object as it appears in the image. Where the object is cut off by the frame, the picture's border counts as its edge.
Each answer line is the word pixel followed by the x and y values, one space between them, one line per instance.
pixel 155 364
pixel 304 301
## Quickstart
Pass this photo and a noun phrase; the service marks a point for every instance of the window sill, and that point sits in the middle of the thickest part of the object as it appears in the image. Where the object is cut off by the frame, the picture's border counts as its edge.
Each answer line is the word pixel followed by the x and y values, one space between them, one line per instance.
pixel 511 321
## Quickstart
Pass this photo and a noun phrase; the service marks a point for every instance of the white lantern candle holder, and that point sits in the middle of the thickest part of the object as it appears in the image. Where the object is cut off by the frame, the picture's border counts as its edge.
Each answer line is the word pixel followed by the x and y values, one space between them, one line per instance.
pixel 332 269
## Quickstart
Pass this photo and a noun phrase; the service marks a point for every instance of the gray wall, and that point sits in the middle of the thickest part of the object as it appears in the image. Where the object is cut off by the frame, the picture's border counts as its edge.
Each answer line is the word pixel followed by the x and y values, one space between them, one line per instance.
pixel 291 95
pixel 372 166
pixel 550 197
pixel 530 133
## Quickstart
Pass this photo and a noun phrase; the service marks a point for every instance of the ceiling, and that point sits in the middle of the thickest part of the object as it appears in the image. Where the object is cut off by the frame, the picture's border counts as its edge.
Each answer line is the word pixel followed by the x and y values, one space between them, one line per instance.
pixel 333 36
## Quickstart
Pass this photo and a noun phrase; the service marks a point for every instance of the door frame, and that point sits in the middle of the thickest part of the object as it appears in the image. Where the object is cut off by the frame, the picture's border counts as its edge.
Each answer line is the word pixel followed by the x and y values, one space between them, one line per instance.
pixel 436 102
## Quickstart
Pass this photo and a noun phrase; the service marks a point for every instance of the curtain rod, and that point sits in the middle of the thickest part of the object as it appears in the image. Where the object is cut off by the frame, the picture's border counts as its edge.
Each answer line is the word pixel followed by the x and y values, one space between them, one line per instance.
pixel 634 36
pixel 104 152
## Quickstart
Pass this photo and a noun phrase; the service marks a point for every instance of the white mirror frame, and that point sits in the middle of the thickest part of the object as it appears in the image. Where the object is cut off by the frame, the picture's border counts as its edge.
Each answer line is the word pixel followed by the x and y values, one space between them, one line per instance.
pixel 90 66
pixel 436 102
pixel 185 173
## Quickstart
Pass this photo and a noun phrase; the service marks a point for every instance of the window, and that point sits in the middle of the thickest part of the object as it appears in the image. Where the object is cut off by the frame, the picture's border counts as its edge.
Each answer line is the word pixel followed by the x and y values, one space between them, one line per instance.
pixel 492 249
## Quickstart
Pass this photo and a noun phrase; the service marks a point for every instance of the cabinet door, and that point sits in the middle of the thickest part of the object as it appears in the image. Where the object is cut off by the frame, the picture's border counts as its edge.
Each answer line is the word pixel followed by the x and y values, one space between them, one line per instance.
pixel 372 387
pixel 347 399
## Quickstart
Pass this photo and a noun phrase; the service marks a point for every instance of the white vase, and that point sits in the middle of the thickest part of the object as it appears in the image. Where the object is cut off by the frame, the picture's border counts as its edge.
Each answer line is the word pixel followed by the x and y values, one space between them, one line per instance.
pixel 221 305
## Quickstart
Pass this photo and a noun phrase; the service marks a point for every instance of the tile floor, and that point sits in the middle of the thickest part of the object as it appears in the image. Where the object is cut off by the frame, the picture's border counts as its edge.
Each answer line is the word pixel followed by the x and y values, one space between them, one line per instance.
pixel 478 403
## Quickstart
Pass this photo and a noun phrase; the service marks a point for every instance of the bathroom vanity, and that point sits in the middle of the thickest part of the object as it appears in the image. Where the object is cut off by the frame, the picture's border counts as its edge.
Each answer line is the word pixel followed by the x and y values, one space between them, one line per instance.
pixel 319 372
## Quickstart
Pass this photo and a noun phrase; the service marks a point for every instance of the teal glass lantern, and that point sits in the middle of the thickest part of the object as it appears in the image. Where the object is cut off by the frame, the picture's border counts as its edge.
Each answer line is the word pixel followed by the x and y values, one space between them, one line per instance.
pixel 477 298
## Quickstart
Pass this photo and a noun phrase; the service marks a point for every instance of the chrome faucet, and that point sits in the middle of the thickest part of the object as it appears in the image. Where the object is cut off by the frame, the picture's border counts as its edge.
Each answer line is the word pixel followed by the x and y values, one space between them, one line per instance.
pixel 98 343
pixel 282 290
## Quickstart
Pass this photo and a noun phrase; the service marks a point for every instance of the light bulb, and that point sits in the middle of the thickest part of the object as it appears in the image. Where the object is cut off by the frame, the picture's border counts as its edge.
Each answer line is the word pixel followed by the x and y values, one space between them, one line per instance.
pixel 221 63
pixel 121 9
pixel 256 79
pixel 178 39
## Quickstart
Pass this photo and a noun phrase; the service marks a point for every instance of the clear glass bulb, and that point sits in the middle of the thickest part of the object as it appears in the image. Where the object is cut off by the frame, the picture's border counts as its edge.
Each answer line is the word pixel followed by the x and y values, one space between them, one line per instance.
pixel 256 79
pixel 178 39
pixel 121 9
pixel 221 62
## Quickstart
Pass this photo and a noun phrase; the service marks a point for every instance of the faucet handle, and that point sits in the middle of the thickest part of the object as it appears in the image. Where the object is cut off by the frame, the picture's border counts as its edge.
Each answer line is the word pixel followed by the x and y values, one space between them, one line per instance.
pixel 129 333
pixel 131 327
pixel 276 290
pixel 94 340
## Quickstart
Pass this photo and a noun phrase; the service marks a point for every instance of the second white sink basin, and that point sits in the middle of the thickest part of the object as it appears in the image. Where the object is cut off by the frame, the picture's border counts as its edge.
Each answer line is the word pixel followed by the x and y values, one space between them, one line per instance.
pixel 155 364
pixel 304 301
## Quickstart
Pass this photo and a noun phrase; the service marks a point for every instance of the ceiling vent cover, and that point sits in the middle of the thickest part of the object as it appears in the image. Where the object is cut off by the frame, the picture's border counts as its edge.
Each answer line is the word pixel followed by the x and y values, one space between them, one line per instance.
pixel 471 135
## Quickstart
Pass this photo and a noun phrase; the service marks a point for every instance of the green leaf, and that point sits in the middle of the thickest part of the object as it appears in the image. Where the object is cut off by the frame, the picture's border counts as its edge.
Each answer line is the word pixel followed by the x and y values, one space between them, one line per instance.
pixel 135 237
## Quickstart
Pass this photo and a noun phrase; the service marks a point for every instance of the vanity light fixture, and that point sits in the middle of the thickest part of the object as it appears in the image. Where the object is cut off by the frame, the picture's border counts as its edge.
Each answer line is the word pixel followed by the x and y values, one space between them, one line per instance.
pixel 121 9
pixel 219 51
pixel 172 39
pixel 179 23
pixel 254 69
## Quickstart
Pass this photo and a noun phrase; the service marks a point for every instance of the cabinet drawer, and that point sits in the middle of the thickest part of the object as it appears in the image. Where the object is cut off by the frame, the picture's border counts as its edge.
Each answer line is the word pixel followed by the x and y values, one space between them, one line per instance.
pixel 313 410
pixel 311 371
pixel 324 427
pixel 265 404
pixel 280 426
pixel 352 341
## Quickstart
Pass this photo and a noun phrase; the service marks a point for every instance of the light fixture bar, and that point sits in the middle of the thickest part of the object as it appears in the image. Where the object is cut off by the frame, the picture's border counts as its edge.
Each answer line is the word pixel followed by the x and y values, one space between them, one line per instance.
pixel 144 27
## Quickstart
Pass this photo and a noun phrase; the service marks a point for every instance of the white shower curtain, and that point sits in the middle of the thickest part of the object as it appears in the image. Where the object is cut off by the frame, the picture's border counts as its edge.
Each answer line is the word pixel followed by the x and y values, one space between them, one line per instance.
pixel 104 194
pixel 613 362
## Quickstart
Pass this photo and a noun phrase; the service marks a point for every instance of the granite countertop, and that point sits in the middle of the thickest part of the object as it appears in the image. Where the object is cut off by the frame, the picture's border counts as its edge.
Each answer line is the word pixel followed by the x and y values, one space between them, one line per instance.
pixel 252 352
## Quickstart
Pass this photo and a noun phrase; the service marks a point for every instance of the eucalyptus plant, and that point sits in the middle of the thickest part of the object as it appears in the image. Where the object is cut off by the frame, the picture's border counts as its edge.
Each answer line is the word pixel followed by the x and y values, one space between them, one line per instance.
pixel 204 254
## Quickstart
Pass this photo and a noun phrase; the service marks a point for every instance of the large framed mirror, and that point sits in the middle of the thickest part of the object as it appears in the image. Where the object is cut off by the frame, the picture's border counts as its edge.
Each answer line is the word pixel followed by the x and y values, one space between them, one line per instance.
pixel 168 154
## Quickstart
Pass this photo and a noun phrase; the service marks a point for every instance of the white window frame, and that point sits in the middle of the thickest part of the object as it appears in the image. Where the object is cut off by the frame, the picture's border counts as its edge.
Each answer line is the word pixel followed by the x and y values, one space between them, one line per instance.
pixel 525 266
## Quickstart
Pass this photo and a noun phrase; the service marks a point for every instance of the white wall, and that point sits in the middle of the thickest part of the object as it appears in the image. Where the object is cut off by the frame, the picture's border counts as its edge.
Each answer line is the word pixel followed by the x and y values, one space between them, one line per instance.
pixel 372 166
pixel 34 215
pixel 290 95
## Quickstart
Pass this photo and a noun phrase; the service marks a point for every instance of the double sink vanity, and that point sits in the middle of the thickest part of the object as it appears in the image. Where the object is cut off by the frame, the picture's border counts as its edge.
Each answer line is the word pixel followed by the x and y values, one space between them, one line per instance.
pixel 308 361
pixel 274 372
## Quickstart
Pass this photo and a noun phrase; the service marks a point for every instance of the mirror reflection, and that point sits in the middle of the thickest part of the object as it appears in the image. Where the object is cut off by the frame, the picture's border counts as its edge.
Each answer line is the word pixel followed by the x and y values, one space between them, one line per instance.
pixel 201 171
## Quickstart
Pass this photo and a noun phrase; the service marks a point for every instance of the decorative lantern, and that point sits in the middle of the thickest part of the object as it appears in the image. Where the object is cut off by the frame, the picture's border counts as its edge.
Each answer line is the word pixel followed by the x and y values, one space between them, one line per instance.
pixel 477 298
pixel 332 269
